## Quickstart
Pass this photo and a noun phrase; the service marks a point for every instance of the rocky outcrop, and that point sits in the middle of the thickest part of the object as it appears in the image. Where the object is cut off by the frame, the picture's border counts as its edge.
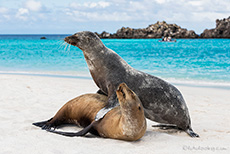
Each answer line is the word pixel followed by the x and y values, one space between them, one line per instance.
pixel 222 30
pixel 157 30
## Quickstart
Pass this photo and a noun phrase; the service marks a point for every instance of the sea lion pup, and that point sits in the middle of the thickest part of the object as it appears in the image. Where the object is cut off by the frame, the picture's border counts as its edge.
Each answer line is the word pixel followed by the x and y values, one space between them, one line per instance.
pixel 124 122
pixel 162 101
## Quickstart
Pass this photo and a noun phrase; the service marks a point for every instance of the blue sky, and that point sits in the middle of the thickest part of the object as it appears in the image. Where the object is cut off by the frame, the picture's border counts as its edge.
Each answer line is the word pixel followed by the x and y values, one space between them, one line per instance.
pixel 70 16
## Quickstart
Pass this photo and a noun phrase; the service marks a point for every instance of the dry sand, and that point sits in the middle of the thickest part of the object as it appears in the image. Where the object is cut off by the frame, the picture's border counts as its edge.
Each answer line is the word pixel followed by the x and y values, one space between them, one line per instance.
pixel 27 99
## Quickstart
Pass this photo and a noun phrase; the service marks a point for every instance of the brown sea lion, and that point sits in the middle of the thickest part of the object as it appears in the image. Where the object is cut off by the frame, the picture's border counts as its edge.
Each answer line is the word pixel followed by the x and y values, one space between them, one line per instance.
pixel 162 101
pixel 124 122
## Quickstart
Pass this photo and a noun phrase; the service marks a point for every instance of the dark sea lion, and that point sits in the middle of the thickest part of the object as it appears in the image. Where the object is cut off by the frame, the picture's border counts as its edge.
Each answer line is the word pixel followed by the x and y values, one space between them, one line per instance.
pixel 162 101
pixel 124 122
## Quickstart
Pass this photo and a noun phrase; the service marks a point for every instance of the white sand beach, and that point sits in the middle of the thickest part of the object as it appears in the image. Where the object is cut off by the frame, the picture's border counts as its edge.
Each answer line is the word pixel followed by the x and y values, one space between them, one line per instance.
pixel 27 99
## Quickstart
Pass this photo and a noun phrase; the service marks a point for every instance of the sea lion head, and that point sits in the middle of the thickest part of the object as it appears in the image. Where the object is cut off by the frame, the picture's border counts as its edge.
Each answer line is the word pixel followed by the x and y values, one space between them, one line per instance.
pixel 132 113
pixel 128 100
pixel 86 41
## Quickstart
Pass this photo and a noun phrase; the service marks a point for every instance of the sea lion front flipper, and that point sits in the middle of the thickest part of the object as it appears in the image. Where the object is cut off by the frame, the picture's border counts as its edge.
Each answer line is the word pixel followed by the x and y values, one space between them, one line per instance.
pixel 112 102
pixel 83 132
pixel 102 113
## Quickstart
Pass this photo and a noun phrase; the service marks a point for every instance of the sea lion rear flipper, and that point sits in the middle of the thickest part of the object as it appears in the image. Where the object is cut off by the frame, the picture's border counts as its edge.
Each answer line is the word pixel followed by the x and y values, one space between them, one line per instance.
pixel 189 131
pixel 165 126
pixel 49 124
pixel 83 132
pixel 42 123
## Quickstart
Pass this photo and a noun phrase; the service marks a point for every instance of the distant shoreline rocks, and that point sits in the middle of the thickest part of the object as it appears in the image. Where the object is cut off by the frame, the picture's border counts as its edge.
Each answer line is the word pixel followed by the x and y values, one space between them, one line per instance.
pixel 162 29
pixel 222 30
pixel 157 30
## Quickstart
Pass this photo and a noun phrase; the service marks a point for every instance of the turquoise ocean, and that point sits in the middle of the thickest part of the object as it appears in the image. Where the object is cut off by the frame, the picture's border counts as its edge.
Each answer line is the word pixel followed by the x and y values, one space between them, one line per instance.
pixel 184 61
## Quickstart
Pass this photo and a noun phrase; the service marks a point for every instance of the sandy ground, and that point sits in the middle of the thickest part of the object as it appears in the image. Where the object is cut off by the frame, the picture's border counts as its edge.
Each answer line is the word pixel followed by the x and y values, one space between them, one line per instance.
pixel 28 99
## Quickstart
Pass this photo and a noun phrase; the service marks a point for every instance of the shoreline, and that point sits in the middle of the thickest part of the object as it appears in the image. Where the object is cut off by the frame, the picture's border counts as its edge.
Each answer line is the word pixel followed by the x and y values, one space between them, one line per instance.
pixel 86 75
pixel 26 99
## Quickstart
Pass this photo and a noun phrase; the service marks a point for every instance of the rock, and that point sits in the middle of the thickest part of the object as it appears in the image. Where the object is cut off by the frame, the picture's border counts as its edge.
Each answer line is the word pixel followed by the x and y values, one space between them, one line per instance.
pixel 157 30
pixel 222 30
pixel 105 34
pixel 43 37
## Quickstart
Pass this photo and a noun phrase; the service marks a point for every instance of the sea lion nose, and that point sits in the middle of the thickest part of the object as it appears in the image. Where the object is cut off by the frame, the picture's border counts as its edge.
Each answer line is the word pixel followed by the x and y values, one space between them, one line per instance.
pixel 119 88
pixel 65 39
pixel 123 85
pixel 69 37
pixel 73 39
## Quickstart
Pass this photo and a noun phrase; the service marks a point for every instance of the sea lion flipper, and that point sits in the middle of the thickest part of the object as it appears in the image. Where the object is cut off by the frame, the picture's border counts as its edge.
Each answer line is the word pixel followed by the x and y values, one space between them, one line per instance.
pixel 42 123
pixel 112 102
pixel 101 92
pixel 102 113
pixel 83 132
pixel 47 125
pixel 166 126
pixel 191 133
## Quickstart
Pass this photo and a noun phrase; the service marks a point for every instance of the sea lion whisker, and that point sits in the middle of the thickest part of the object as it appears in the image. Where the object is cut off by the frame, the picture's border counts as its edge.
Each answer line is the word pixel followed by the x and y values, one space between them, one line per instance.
pixel 61 44
pixel 69 48
pixel 65 46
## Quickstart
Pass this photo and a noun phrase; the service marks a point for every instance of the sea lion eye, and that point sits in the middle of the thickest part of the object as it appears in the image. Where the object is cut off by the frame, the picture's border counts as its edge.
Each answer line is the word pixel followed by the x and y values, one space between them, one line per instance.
pixel 139 108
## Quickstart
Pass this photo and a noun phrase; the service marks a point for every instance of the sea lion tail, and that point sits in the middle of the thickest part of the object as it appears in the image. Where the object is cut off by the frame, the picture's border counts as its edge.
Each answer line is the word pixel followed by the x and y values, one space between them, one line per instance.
pixel 83 132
